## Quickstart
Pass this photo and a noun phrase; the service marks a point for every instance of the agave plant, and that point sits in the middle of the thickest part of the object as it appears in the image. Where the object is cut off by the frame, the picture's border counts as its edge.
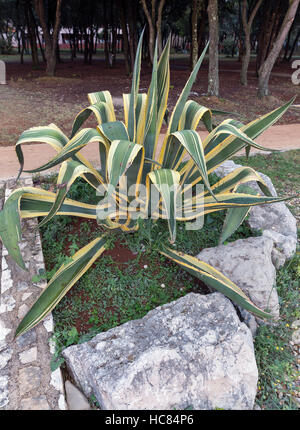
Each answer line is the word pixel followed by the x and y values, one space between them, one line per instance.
pixel 131 150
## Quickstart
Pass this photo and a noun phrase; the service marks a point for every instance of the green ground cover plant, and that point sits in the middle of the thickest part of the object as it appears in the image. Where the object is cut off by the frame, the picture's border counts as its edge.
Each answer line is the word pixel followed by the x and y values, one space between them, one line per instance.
pixel 276 358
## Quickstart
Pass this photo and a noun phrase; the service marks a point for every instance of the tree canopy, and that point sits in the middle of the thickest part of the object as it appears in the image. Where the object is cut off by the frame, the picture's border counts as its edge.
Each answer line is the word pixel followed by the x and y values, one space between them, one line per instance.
pixel 267 31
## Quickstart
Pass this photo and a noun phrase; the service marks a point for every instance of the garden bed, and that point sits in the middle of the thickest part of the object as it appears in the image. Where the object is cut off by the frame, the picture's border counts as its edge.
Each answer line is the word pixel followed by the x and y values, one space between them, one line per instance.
pixel 137 279
pixel 130 278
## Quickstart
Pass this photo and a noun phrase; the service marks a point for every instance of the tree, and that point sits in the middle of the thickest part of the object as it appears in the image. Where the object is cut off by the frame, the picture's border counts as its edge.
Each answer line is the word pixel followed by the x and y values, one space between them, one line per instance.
pixel 202 19
pixel 295 30
pixel 31 30
pixel 267 66
pixel 194 28
pixel 158 25
pixel 51 41
pixel 247 24
pixel 213 70
pixel 294 45
pixel 154 24
pixel 122 10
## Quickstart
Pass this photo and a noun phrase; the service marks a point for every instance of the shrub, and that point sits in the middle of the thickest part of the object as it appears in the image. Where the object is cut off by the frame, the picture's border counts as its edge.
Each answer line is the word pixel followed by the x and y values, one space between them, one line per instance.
pixel 130 150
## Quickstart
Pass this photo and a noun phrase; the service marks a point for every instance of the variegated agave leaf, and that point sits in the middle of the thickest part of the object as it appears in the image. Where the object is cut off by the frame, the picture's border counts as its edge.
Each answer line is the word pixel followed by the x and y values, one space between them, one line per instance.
pixel 132 150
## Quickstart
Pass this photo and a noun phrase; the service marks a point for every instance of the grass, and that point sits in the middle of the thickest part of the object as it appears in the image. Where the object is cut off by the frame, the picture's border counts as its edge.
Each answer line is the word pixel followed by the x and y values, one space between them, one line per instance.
pixel 277 364
pixel 276 360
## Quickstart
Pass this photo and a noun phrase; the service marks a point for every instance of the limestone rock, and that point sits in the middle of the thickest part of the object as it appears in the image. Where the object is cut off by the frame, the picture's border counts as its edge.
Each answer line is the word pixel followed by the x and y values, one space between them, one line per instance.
pixel 229 166
pixel 296 337
pixel 249 320
pixel 29 355
pixel 34 403
pixel 274 220
pixel 276 217
pixel 193 352
pixel 296 333
pixel 248 263
pixel 30 379
pixel 284 247
pixel 75 399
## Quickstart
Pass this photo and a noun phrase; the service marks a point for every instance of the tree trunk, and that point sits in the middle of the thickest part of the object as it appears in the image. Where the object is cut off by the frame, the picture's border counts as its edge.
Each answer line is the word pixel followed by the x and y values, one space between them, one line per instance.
pixel 22 33
pixel 50 41
pixel 121 6
pixel 72 43
pixel 267 66
pixel 201 27
pixel 158 25
pixel 86 45
pixel 23 46
pixel 58 57
pixel 37 33
pixel 80 45
pixel 132 33
pixel 91 45
pixel 275 27
pixel 114 46
pixel 246 58
pixel 31 35
pixel 267 18
pixel 194 30
pixel 240 34
pixel 247 24
pixel 287 46
pixel 96 40
pixel 213 70
pixel 106 49
pixel 40 44
pixel 294 46
pixel 150 26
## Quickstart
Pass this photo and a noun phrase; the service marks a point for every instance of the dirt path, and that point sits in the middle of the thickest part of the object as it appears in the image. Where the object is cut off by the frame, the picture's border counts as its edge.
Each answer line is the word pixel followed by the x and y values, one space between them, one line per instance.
pixel 281 137
pixel 30 98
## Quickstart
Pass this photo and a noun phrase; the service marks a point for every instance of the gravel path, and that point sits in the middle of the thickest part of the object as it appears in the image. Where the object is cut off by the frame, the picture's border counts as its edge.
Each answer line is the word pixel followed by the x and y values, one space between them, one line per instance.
pixel 281 137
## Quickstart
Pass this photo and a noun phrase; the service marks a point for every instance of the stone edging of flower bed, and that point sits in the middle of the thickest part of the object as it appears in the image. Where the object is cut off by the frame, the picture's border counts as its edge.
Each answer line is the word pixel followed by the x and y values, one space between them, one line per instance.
pixel 26 379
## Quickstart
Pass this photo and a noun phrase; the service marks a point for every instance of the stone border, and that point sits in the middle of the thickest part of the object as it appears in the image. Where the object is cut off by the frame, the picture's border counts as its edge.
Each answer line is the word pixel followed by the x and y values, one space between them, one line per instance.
pixel 274 220
pixel 276 245
pixel 26 379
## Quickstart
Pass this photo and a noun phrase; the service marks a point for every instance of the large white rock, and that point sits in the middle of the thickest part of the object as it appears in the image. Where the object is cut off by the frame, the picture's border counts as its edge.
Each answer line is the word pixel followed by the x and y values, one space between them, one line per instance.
pixel 274 220
pixel 284 247
pixel 193 352
pixel 229 166
pixel 248 263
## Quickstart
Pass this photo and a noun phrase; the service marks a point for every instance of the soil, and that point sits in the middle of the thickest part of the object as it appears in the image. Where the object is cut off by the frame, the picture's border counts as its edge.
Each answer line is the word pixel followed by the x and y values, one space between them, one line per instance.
pixel 30 98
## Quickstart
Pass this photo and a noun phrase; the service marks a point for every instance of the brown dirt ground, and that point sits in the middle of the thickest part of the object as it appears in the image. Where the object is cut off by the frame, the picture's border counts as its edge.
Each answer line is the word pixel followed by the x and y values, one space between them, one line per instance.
pixel 30 98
